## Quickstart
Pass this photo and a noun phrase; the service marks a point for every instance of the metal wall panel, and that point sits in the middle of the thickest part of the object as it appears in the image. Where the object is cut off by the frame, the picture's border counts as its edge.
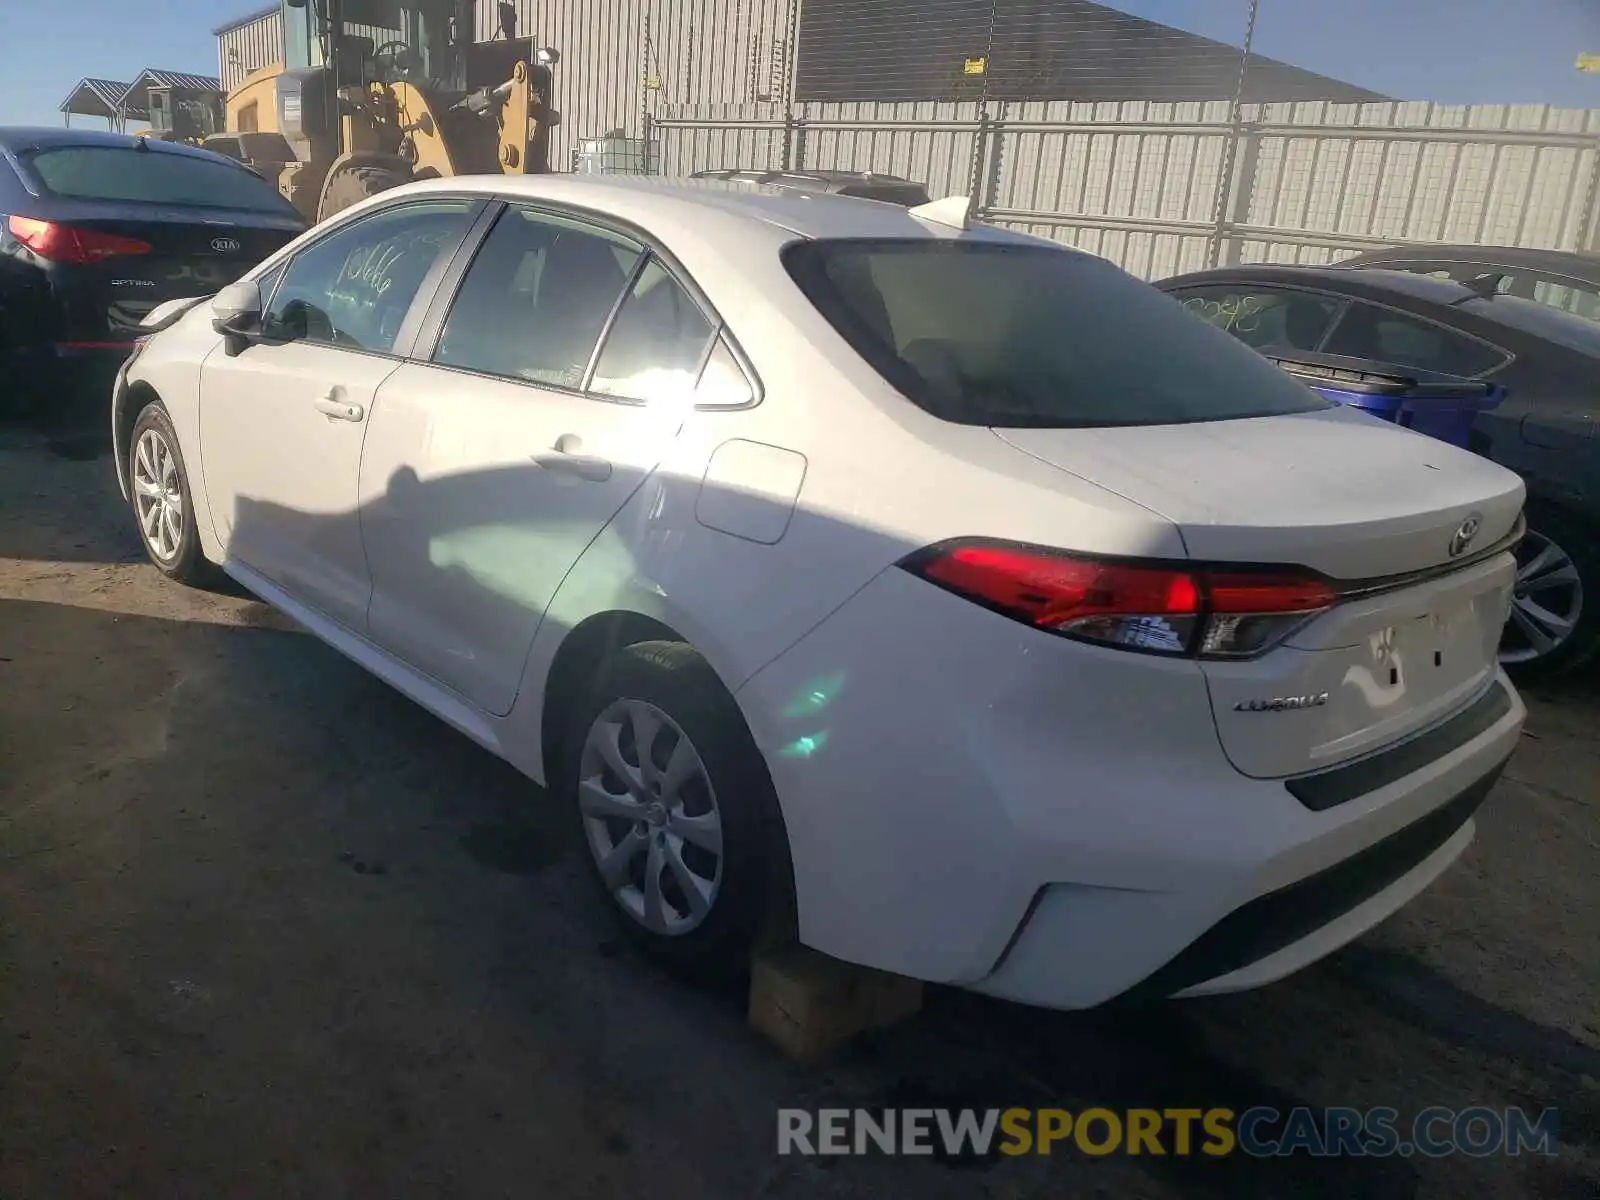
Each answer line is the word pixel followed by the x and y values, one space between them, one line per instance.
pixel 249 48
pixel 626 62
pixel 1147 184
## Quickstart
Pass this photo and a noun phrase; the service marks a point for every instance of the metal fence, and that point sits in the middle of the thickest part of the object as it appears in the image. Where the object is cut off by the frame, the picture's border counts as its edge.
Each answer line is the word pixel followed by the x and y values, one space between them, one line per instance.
pixel 1166 187
pixel 1152 146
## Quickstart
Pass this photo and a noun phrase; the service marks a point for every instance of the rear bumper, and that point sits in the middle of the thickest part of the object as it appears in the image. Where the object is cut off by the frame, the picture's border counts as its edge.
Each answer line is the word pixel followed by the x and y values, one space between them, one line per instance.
pixel 1275 932
pixel 973 803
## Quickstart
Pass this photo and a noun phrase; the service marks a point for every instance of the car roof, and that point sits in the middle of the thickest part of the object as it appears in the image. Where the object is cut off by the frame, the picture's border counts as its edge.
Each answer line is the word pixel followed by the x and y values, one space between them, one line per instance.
pixel 1528 258
pixel 663 204
pixel 1335 278
pixel 19 139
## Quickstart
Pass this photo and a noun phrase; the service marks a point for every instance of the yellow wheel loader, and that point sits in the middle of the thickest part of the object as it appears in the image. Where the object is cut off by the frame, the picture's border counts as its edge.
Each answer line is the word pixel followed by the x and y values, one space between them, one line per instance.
pixel 375 93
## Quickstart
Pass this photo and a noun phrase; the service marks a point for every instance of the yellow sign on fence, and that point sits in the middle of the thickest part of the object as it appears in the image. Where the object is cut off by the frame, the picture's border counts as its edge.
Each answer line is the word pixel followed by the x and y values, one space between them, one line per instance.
pixel 974 66
pixel 1589 63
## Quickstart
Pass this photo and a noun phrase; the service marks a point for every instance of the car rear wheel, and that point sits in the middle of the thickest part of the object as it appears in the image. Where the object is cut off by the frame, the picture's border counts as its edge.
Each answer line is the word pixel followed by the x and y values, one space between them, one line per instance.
pixel 1554 626
pixel 158 487
pixel 677 809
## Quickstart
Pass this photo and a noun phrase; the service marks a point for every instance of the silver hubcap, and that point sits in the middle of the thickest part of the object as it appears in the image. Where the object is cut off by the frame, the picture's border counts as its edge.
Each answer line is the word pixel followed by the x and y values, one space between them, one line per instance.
pixel 157 495
pixel 1546 601
pixel 651 817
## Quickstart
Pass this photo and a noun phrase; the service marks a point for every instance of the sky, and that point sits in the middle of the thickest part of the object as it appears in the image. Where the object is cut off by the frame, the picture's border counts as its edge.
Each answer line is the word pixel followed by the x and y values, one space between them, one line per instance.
pixel 1451 51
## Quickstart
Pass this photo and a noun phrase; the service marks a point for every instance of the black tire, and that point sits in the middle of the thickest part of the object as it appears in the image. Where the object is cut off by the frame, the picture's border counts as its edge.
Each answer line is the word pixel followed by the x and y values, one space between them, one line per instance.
pixel 755 878
pixel 1580 541
pixel 352 185
pixel 188 565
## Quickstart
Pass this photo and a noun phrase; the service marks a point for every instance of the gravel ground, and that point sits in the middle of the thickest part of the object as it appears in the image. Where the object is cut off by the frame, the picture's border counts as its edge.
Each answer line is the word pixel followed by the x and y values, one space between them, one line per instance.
pixel 266 929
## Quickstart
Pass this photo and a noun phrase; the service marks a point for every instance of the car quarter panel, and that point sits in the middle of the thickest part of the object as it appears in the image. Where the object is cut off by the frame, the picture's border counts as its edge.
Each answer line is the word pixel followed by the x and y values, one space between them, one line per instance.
pixel 881 479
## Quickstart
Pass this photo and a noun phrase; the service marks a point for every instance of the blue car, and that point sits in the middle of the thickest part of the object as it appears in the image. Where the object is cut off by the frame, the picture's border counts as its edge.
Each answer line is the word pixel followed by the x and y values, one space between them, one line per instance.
pixel 96 229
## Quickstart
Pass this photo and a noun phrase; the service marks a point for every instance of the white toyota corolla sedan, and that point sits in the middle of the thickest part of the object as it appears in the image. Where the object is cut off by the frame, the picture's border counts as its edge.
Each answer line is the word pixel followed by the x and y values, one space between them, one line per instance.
pixel 1027 632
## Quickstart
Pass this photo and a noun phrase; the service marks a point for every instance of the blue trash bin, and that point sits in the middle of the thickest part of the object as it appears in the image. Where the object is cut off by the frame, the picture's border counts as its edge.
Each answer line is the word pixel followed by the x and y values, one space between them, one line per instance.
pixel 1441 406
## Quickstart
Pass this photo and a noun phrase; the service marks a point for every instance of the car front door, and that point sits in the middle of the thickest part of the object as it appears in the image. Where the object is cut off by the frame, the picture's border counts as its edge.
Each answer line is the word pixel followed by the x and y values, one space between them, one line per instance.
pixel 282 422
pixel 564 367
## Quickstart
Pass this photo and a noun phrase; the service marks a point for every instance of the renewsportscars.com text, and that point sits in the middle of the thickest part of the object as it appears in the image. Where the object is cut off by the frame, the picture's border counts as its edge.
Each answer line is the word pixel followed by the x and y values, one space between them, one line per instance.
pixel 1260 1132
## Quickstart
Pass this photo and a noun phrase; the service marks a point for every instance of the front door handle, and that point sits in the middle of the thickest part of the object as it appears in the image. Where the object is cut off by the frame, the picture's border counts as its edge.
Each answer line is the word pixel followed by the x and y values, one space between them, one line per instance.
pixel 330 405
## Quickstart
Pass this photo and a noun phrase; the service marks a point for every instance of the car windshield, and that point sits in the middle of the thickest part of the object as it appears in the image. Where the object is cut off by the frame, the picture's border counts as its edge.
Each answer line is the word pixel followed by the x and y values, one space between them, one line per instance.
pixel 134 176
pixel 1012 335
pixel 1541 320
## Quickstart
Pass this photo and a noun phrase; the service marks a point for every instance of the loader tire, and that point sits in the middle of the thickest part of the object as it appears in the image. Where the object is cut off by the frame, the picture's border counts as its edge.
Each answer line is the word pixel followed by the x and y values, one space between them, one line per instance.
pixel 352 185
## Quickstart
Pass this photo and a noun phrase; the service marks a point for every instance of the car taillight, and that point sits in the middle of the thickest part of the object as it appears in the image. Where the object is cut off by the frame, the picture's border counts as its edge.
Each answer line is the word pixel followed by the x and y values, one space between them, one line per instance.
pixel 69 244
pixel 1227 612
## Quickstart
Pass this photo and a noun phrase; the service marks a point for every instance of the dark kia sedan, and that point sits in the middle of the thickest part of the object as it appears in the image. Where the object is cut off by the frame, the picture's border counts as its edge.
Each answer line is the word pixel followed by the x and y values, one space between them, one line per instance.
pixel 1546 356
pixel 96 229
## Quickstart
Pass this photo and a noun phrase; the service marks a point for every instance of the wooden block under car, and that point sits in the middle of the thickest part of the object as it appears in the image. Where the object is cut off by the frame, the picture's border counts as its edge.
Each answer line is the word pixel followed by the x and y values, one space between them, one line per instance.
pixel 808 1003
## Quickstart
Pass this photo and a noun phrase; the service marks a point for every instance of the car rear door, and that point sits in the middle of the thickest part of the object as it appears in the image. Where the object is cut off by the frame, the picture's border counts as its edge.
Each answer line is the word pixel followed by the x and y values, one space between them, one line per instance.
pixel 489 470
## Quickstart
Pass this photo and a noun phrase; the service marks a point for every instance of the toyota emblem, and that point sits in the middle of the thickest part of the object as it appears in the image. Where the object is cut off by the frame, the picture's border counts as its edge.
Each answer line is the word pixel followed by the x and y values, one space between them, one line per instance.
pixel 224 245
pixel 1464 535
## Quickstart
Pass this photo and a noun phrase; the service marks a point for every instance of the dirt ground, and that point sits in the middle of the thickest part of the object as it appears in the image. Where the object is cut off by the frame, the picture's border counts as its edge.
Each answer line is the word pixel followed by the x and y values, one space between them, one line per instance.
pixel 266 929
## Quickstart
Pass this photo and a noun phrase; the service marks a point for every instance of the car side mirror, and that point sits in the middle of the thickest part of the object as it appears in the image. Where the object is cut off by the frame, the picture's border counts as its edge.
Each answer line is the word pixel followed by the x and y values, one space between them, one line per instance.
pixel 236 314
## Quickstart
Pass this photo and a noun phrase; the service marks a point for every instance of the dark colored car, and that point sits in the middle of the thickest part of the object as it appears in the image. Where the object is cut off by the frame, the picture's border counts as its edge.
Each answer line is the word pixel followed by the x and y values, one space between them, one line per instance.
pixel 1548 360
pixel 868 185
pixel 96 229
pixel 1558 278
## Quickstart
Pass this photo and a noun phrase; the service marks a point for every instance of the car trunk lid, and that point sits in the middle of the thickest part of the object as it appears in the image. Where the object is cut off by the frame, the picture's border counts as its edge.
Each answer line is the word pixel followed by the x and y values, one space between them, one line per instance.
pixel 110 269
pixel 1401 522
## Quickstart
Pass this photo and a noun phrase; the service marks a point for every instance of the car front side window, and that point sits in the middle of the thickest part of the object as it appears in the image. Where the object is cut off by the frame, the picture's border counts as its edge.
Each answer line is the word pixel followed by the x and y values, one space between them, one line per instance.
pixel 536 299
pixel 354 287
pixel 1262 317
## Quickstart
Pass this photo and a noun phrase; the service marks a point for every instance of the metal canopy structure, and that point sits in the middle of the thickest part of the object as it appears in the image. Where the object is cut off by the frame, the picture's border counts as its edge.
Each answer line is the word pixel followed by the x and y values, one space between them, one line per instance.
pixel 137 95
pixel 118 103
pixel 98 98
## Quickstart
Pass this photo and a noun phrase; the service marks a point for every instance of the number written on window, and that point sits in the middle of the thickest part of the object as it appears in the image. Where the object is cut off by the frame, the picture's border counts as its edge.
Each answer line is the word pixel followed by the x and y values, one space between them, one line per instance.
pixel 1265 317
pixel 354 287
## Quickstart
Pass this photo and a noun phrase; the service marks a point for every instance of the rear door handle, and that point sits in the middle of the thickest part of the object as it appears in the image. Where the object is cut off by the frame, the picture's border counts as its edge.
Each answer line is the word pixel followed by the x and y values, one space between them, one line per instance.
pixel 565 459
pixel 340 410
pixel 584 466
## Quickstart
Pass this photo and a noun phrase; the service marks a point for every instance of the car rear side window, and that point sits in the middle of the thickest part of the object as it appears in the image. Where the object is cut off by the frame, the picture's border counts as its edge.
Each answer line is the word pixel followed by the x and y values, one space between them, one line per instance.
pixel 1002 334
pixel 130 176
pixel 657 341
pixel 1385 336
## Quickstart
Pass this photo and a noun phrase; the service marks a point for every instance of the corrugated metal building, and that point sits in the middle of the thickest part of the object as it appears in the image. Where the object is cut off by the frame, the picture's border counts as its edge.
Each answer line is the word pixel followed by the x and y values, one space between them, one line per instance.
pixel 247 44
pixel 624 59
pixel 951 50
pixel 625 62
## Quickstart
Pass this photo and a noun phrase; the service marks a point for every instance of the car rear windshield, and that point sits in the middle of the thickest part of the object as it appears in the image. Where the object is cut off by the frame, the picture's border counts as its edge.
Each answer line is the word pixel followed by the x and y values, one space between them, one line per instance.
pixel 1011 335
pixel 127 175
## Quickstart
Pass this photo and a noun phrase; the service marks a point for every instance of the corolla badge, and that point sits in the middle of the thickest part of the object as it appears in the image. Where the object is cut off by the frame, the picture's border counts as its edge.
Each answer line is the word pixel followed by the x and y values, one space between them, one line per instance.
pixel 1282 703
pixel 1465 533
pixel 224 245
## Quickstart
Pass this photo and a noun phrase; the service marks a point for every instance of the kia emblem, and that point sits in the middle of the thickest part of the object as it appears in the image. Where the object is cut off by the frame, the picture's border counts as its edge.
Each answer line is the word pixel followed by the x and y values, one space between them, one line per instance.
pixel 224 245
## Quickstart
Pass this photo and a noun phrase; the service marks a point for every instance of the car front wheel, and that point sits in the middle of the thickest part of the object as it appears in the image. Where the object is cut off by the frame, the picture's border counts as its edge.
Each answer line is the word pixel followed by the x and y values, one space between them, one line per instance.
pixel 677 809
pixel 1554 625
pixel 158 487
